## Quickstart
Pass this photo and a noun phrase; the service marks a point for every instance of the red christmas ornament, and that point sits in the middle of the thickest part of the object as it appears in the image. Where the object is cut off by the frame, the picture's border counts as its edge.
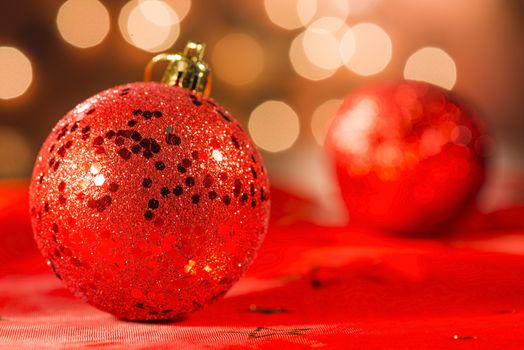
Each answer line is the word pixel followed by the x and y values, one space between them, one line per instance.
pixel 149 200
pixel 408 157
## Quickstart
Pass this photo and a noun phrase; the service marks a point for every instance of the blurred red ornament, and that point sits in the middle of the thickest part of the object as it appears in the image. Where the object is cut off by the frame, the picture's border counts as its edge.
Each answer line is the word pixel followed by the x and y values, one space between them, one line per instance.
pixel 149 200
pixel 408 157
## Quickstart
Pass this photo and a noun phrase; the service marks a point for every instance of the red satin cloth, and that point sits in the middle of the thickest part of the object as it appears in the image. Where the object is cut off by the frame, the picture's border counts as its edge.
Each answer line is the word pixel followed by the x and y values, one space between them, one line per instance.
pixel 312 286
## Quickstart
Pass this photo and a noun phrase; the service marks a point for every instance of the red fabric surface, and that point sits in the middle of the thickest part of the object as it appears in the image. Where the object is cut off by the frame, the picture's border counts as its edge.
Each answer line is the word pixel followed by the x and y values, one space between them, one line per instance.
pixel 335 288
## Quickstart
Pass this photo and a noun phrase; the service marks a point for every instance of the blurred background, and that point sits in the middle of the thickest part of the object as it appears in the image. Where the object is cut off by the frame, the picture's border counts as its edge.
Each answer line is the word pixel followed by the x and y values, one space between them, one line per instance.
pixel 280 66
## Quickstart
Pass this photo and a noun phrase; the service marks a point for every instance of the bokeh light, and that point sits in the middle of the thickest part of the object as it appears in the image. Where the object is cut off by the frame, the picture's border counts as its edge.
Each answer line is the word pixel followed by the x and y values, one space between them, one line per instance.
pixel 373 49
pixel 332 8
pixel 151 25
pixel 347 45
pixel 181 7
pixel 322 41
pixel 361 7
pixel 321 119
pixel 83 23
pixel 238 59
pixel 16 156
pixel 302 65
pixel 432 65
pixel 16 73
pixel 290 14
pixel 157 12
pixel 274 126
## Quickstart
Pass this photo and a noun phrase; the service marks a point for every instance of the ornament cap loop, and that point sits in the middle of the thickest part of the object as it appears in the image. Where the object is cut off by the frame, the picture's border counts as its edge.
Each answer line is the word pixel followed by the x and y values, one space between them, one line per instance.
pixel 186 69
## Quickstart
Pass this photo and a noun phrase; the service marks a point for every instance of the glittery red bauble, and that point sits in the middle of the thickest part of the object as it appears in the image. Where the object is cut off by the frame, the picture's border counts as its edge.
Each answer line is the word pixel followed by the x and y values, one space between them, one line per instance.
pixel 408 157
pixel 149 201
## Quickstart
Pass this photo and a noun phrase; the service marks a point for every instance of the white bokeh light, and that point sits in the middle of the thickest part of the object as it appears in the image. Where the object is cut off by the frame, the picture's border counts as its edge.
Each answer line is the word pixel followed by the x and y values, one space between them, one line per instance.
pixel 274 126
pixel 290 14
pixel 302 65
pixel 181 7
pixel 432 65
pixel 322 42
pixel 332 8
pixel 347 46
pixel 16 72
pixel 151 25
pixel 373 49
pixel 83 23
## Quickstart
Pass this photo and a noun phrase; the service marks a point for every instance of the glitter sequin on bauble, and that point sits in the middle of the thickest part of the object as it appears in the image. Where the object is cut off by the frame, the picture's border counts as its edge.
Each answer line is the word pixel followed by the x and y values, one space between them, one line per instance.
pixel 149 201
pixel 408 157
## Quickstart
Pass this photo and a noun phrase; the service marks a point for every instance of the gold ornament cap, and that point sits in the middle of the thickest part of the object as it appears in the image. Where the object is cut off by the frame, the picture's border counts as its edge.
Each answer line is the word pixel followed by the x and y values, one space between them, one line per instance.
pixel 186 69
